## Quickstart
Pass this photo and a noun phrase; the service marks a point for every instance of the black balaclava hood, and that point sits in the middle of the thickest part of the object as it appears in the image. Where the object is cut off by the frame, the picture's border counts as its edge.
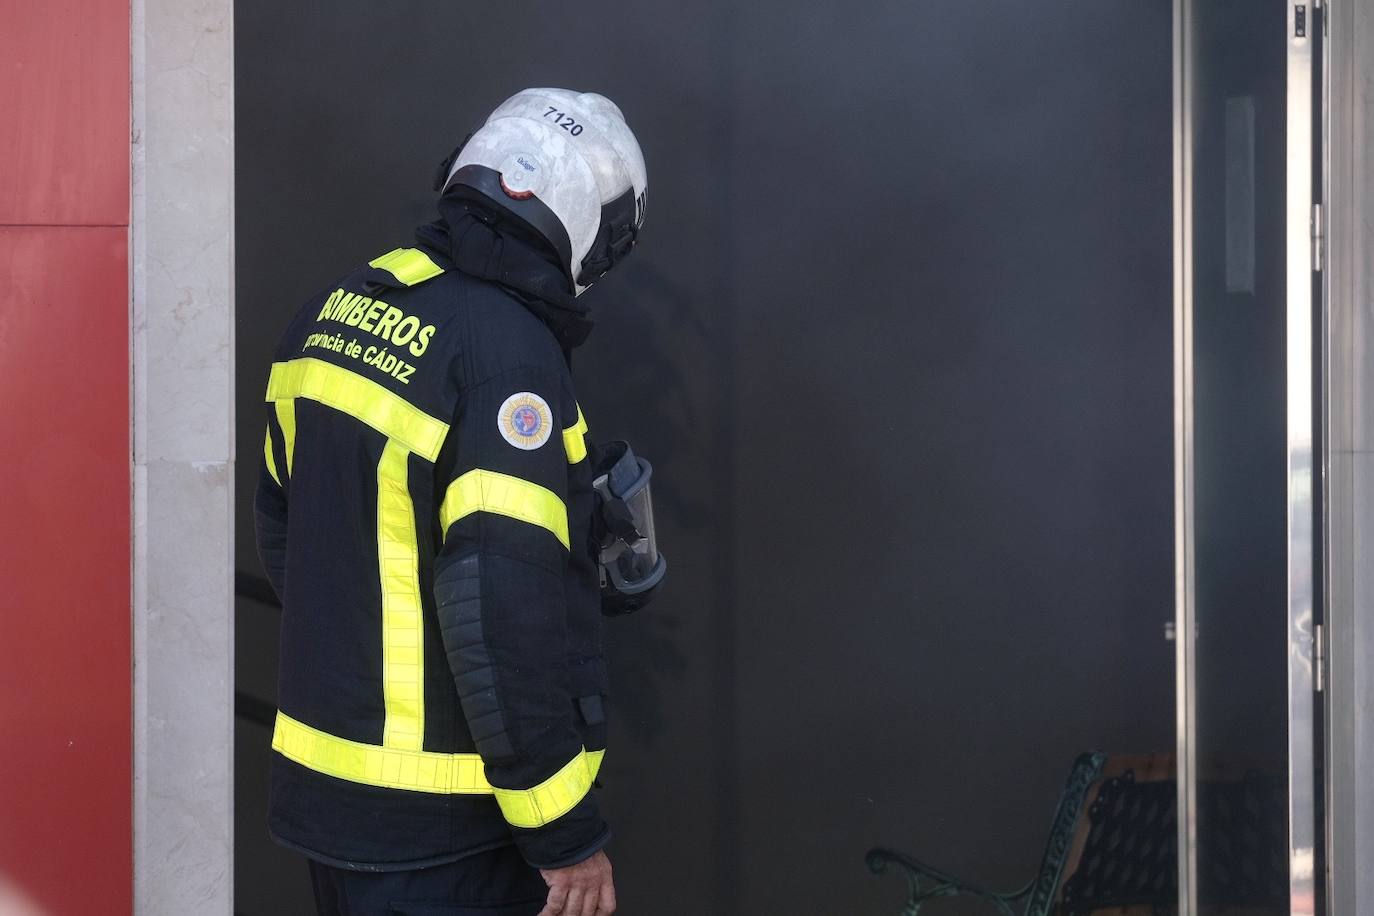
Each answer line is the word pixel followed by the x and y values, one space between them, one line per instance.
pixel 480 244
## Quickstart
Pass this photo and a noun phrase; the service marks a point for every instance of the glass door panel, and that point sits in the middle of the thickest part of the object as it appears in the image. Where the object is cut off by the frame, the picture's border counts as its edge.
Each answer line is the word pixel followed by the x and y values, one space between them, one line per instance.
pixel 1247 723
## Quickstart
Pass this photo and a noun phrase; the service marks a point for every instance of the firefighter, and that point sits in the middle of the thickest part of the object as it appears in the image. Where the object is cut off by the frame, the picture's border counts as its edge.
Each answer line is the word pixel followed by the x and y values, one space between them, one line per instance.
pixel 426 513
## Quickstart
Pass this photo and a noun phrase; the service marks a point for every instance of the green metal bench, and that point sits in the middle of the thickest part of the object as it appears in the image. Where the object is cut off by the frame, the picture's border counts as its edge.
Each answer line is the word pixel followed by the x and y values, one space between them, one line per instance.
pixel 1113 845
pixel 1038 897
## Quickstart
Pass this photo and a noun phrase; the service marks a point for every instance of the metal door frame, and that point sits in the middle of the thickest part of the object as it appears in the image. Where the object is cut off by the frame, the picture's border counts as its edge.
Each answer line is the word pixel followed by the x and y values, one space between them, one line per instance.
pixel 1185 626
pixel 1302 249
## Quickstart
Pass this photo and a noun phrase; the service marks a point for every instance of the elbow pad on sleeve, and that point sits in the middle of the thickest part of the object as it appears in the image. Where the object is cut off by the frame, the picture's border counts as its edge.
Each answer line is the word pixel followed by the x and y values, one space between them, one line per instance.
pixel 458 595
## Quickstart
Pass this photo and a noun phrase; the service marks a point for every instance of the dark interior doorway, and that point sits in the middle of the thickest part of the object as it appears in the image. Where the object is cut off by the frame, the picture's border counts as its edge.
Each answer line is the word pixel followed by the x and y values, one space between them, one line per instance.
pixel 898 341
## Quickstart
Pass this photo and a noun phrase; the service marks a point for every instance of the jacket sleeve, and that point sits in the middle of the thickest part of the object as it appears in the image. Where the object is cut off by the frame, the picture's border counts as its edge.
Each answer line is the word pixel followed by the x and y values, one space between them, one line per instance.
pixel 269 509
pixel 503 613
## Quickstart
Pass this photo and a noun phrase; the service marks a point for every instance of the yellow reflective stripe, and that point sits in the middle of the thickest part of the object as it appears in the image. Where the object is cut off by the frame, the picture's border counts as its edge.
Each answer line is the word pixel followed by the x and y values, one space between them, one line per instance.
pixel 575 438
pixel 388 413
pixel 267 454
pixel 488 491
pixel 286 418
pixel 409 265
pixel 392 768
pixel 552 798
pixel 398 561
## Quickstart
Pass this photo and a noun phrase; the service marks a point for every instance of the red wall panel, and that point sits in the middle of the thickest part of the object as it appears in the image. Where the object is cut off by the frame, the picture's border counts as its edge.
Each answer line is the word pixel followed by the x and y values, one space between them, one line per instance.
pixel 64 92
pixel 65 834
pixel 65 695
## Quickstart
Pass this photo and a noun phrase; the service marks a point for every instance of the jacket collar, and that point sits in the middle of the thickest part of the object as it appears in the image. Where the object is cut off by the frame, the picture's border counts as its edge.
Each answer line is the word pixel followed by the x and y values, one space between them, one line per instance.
pixel 471 239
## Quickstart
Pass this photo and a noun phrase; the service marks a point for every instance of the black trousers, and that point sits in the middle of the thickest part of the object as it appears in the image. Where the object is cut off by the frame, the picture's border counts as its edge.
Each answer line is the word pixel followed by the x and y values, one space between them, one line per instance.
pixel 493 883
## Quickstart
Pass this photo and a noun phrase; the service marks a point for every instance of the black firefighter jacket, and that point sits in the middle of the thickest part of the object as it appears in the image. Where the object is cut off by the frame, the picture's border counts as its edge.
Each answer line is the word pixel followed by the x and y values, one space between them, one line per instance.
pixel 425 514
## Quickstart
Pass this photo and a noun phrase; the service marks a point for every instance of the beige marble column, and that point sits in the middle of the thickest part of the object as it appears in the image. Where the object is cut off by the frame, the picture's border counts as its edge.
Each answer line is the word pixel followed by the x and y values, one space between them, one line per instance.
pixel 183 421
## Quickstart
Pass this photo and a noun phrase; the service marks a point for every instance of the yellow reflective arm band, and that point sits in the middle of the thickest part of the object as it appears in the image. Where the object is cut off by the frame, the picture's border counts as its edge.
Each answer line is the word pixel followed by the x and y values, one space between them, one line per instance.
pixel 359 397
pixel 286 418
pixel 271 462
pixel 575 438
pixel 552 798
pixel 398 558
pixel 409 265
pixel 488 491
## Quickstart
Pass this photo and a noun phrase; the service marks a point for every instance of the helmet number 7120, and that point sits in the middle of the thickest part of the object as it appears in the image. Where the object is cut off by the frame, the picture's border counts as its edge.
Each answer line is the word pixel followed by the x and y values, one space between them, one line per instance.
pixel 563 121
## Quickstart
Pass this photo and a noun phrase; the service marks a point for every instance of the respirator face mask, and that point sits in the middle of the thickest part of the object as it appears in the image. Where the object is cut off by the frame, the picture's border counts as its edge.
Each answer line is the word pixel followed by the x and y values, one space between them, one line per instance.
pixel 631 566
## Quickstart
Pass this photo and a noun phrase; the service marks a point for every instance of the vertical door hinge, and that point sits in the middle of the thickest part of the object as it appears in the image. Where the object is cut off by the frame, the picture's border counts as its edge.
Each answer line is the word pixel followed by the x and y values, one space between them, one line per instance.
pixel 1319 658
pixel 1318 239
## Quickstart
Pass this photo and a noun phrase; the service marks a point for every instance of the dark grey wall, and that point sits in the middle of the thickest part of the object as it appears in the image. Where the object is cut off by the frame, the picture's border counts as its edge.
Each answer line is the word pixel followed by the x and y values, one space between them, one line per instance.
pixel 898 341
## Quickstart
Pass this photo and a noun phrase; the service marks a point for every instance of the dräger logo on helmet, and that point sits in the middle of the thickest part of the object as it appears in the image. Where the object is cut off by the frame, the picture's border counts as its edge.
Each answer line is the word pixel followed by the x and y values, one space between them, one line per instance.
pixel 521 176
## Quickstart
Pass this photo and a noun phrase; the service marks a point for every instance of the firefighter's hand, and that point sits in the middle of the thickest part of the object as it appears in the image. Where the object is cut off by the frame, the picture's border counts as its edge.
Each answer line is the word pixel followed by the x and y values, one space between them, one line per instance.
pixel 584 889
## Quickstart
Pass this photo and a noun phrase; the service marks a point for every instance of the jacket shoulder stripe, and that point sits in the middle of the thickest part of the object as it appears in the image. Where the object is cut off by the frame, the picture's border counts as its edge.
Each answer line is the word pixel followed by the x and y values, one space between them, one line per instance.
pixel 489 491
pixel 575 438
pixel 360 398
pixel 410 266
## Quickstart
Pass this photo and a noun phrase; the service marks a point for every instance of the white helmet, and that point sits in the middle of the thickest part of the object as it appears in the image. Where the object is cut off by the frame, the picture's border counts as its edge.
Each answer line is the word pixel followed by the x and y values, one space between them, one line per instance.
pixel 566 165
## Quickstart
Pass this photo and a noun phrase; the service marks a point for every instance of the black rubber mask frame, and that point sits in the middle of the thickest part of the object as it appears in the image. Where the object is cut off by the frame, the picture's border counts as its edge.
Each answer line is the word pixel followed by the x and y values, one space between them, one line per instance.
pixel 619 230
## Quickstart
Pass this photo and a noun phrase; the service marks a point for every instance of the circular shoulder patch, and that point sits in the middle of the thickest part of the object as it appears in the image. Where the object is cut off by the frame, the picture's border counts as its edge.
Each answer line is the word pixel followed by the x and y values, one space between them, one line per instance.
pixel 525 420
